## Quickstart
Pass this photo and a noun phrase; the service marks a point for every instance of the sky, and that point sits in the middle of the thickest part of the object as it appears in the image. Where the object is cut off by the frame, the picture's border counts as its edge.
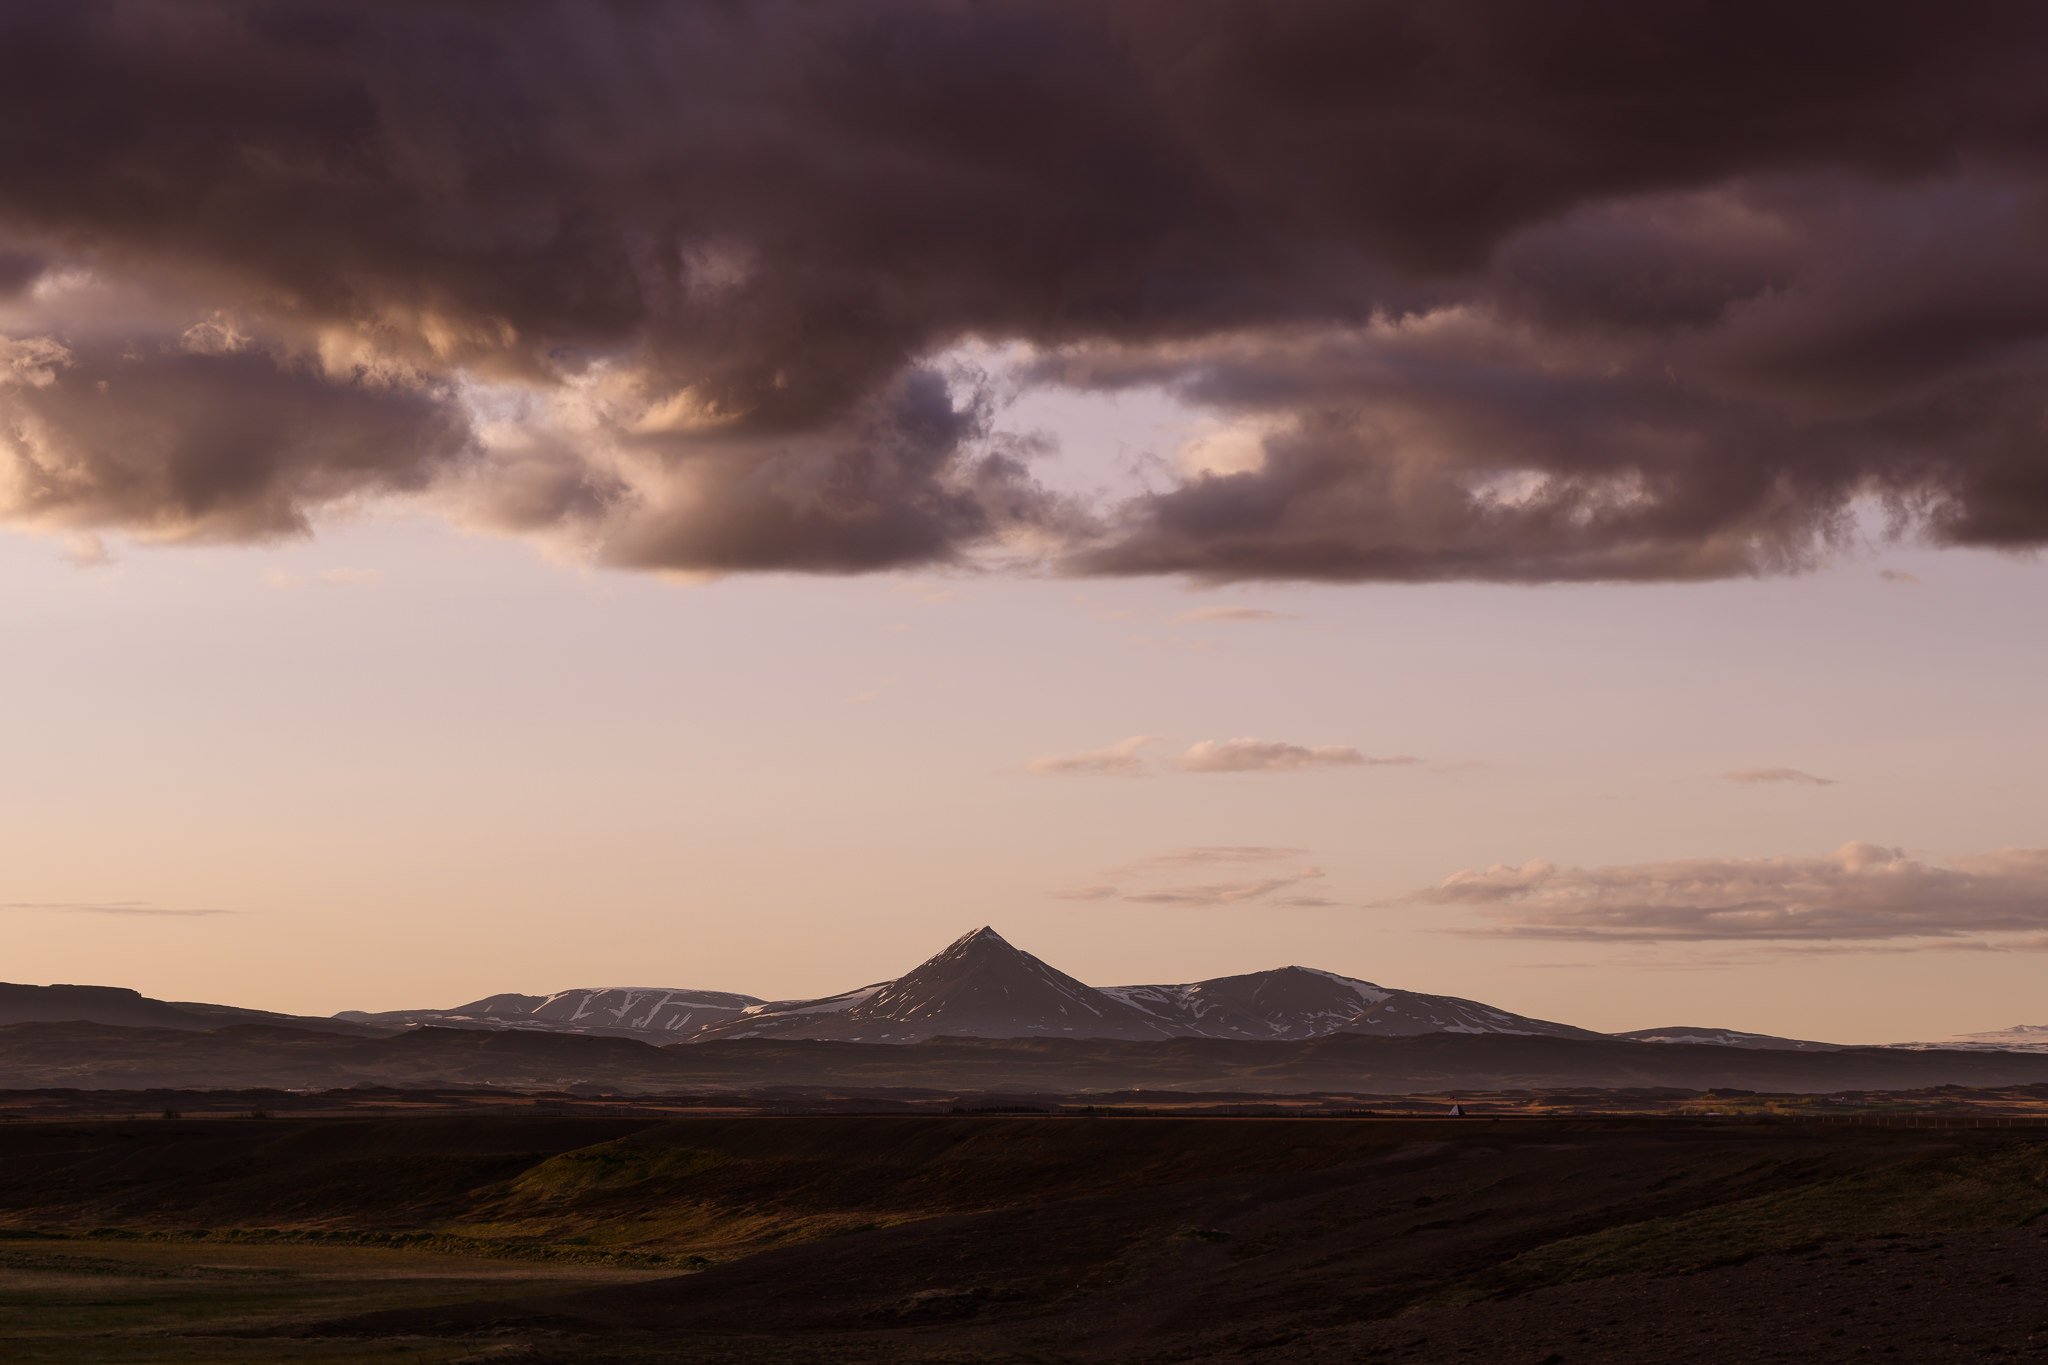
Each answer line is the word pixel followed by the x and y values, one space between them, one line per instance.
pixel 1534 504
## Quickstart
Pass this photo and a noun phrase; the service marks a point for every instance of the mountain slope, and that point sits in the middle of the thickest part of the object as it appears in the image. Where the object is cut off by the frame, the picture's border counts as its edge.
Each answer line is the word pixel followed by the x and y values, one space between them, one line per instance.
pixel 982 987
pixel 979 986
pixel 653 1013
pixel 1293 1003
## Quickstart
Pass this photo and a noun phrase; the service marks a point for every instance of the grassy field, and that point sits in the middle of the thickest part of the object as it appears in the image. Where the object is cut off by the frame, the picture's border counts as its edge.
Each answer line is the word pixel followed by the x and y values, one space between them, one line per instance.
pixel 65 1300
pixel 634 1239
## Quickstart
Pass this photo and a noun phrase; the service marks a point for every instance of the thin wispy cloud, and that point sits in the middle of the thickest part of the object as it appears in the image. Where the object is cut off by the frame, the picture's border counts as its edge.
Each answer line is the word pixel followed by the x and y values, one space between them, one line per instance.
pixel 1767 776
pixel 286 580
pixel 1157 879
pixel 1899 576
pixel 1247 755
pixel 140 908
pixel 1125 758
pixel 1213 855
pixel 1121 759
pixel 1263 889
pixel 1861 893
pixel 930 594
pixel 1201 615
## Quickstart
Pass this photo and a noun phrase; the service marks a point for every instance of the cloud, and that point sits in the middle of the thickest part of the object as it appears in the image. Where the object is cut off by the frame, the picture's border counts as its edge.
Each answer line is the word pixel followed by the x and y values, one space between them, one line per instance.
pixel 1209 855
pixel 669 287
pixel 85 550
pixel 328 578
pixel 1121 759
pixel 138 908
pixel 1232 892
pixel 1208 614
pixel 1859 894
pixel 1153 880
pixel 1899 576
pixel 1758 776
pixel 179 445
pixel 1247 755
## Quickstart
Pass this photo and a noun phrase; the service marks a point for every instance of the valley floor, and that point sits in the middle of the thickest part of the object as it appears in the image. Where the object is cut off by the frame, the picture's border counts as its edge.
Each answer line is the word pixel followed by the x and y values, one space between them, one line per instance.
pixel 531 1238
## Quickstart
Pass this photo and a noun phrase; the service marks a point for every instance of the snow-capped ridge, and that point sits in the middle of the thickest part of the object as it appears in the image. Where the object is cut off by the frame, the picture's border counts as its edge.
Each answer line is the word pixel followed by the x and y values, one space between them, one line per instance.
pixel 663 1013
pixel 982 986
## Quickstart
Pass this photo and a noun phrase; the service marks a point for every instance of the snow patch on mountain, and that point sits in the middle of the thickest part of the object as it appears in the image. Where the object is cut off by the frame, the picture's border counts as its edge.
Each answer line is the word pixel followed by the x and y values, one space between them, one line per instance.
pixel 2018 1038
pixel 658 1013
pixel 1725 1037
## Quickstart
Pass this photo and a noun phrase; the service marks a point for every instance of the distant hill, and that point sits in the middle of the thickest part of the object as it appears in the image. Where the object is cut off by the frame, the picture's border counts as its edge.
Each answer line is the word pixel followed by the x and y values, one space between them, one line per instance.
pixel 124 1008
pixel 2018 1038
pixel 100 1056
pixel 1726 1037
pixel 659 1013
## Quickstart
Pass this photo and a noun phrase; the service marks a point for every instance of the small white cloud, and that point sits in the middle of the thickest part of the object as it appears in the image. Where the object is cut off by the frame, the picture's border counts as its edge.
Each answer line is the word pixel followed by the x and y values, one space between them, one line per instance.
pixel 1247 755
pixel 87 551
pixel 1121 759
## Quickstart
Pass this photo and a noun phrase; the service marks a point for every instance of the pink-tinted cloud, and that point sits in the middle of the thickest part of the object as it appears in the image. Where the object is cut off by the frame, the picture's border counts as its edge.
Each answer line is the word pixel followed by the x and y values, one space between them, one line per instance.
pixel 1776 776
pixel 1247 755
pixel 1860 893
pixel 1121 759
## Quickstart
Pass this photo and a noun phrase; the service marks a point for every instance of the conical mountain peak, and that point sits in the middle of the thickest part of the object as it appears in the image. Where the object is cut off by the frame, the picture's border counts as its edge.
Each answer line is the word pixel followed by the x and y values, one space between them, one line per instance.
pixel 982 986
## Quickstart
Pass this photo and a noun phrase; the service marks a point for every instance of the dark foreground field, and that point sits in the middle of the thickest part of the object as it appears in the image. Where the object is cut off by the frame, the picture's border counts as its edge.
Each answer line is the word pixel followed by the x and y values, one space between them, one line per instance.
pixel 533 1238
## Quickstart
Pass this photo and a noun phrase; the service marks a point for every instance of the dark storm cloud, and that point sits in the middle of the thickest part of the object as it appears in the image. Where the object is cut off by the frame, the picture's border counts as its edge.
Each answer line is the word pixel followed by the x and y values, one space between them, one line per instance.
pixel 235 445
pixel 18 270
pixel 1571 291
pixel 890 484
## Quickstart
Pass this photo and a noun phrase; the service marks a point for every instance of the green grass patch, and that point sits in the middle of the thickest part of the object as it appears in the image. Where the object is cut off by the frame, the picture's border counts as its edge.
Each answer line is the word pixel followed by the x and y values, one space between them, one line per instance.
pixel 615 1167
pixel 2003 1188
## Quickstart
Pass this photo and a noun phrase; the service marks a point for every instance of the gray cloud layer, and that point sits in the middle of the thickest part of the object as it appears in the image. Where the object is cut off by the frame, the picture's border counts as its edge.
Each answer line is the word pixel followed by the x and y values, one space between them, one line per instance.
pixel 1858 893
pixel 1572 291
